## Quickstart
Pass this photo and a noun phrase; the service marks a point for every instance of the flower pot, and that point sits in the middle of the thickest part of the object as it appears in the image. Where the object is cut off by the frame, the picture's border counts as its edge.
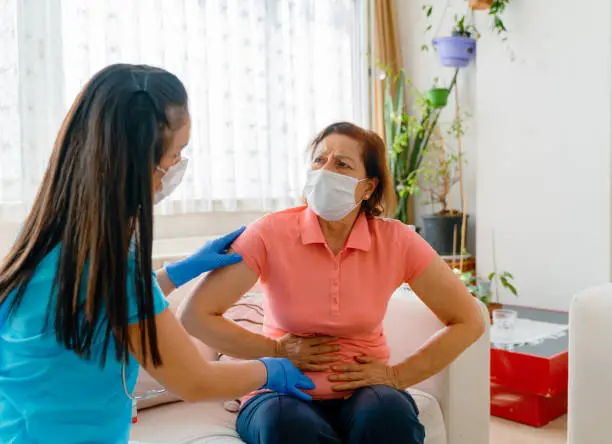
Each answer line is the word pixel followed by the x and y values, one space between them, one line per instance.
pixel 481 5
pixel 492 306
pixel 455 52
pixel 438 231
pixel 438 97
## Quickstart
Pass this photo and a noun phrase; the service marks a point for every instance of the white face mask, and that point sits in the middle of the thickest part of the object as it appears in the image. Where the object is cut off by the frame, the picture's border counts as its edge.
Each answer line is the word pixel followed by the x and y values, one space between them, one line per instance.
pixel 172 179
pixel 331 195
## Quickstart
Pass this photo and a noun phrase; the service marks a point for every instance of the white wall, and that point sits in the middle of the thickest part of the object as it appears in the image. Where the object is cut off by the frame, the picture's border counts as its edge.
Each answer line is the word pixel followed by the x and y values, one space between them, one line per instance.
pixel 542 143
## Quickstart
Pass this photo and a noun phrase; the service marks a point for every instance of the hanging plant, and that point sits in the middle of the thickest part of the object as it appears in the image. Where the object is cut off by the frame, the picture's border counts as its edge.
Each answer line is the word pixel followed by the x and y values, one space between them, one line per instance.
pixel 480 5
pixel 495 8
pixel 436 96
pixel 498 7
pixel 458 50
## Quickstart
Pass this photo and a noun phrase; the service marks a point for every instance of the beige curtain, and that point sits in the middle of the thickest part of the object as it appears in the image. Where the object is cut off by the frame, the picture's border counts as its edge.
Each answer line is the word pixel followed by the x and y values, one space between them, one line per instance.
pixel 386 53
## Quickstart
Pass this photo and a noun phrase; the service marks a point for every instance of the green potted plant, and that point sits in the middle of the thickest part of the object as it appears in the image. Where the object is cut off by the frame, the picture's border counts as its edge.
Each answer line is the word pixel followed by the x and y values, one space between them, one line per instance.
pixel 481 288
pixel 437 97
pixel 441 170
pixel 407 136
pixel 504 278
pixel 458 50
pixel 496 9
pixel 461 28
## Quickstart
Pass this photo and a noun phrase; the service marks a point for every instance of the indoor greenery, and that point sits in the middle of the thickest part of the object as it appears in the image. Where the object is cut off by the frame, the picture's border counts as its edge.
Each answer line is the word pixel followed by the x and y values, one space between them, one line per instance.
pixel 483 292
pixel 496 10
pixel 407 136
pixel 441 170
pixel 462 28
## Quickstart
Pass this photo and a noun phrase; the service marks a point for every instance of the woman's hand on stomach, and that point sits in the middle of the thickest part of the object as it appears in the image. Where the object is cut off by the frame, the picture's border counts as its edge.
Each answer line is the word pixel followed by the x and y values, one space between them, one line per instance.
pixel 364 372
pixel 311 353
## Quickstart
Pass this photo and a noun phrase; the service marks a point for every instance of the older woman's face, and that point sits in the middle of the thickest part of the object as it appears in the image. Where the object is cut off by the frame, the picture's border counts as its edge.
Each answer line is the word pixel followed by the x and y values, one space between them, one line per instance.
pixel 341 154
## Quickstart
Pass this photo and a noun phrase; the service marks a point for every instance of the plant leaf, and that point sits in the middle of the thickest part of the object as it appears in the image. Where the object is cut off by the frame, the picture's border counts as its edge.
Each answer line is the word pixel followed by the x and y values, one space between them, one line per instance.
pixel 508 285
pixel 388 112
pixel 512 289
pixel 491 276
pixel 399 100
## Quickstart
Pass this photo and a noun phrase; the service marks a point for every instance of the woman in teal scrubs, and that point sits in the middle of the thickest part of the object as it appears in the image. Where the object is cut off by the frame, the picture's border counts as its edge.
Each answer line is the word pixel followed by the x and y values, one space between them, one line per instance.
pixel 80 307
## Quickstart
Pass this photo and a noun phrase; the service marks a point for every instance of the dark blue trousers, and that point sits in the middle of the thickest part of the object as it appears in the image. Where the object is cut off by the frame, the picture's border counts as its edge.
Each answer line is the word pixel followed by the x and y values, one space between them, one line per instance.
pixel 377 414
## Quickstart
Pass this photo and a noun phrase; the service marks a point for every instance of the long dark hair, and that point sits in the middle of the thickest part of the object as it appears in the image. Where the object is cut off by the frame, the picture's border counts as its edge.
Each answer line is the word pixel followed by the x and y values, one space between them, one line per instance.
pixel 95 202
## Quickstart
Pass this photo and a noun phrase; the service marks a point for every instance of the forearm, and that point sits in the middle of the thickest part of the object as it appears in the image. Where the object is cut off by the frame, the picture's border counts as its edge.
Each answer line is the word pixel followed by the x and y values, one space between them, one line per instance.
pixel 185 371
pixel 228 380
pixel 436 354
pixel 229 338
pixel 164 282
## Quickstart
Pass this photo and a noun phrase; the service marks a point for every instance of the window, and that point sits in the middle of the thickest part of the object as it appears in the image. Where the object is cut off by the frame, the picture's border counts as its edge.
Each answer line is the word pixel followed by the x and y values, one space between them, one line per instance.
pixel 263 76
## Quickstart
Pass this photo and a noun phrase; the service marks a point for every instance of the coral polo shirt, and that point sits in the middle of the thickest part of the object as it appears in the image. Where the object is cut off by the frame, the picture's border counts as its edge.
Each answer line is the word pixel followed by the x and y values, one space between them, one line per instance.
pixel 309 291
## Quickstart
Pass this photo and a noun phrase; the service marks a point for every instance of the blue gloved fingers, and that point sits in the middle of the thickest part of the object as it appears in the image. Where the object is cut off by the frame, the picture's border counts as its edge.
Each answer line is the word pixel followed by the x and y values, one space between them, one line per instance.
pixel 223 243
pixel 208 257
pixel 284 377
pixel 300 395
pixel 305 383
pixel 229 259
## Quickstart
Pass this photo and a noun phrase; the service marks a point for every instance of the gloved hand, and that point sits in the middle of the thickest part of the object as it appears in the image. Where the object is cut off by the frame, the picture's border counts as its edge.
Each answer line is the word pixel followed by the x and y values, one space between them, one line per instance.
pixel 284 377
pixel 209 257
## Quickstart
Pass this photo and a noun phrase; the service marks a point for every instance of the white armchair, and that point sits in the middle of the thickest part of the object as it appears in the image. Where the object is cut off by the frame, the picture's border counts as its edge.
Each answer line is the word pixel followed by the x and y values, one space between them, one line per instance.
pixel 590 367
pixel 463 389
pixel 454 405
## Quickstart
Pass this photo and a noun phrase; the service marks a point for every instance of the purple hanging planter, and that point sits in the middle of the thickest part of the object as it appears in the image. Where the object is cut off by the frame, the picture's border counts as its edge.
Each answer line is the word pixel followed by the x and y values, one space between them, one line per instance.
pixel 456 51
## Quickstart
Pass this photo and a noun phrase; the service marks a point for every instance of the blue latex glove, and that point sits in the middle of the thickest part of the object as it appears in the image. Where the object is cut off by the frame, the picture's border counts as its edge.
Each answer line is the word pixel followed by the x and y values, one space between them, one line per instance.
pixel 211 256
pixel 284 377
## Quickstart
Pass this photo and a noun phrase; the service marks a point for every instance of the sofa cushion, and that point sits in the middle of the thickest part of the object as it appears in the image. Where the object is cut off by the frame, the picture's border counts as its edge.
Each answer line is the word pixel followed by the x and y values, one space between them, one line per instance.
pixel 210 423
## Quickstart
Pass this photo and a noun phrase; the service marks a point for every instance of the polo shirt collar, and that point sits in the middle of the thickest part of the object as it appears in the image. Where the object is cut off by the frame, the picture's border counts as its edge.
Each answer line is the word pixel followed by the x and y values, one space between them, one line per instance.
pixel 310 231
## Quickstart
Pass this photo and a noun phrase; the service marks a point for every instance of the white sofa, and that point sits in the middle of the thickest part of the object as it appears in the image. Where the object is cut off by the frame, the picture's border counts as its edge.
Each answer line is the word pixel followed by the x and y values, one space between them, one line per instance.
pixel 590 367
pixel 454 405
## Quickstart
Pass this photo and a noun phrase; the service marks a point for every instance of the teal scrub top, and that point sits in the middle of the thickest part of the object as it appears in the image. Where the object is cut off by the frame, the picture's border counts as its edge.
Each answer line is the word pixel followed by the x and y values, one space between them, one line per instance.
pixel 50 395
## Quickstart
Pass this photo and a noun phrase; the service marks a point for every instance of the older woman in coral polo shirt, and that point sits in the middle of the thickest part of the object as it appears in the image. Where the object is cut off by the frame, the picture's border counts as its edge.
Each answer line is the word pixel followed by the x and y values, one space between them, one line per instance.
pixel 328 270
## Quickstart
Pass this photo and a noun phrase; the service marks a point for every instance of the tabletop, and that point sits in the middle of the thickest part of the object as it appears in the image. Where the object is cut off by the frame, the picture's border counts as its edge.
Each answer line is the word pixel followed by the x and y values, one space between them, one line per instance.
pixel 548 347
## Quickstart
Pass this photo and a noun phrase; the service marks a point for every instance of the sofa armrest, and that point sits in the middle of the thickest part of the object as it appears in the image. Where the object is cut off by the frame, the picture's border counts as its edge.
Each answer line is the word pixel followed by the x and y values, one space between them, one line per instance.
pixel 590 366
pixel 462 389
